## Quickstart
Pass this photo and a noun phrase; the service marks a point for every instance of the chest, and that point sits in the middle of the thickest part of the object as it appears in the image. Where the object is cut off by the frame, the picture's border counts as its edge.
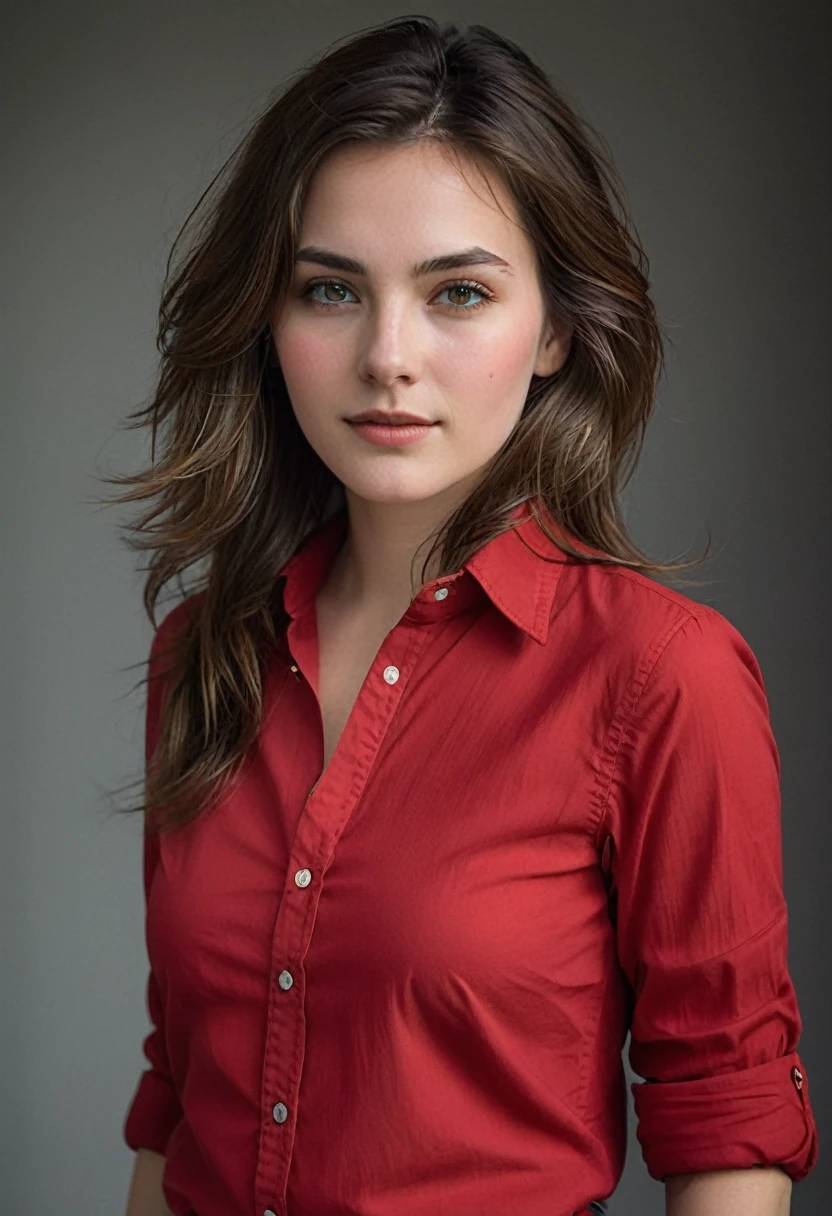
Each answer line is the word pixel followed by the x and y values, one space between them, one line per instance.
pixel 346 650
pixel 458 840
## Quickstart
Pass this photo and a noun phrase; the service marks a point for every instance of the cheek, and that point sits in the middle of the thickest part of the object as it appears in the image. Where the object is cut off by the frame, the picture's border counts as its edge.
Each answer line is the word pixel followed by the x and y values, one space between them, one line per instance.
pixel 306 358
pixel 494 369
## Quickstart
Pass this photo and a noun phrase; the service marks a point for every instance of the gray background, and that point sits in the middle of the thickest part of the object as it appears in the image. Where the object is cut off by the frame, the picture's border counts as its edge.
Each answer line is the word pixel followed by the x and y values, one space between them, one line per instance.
pixel 116 117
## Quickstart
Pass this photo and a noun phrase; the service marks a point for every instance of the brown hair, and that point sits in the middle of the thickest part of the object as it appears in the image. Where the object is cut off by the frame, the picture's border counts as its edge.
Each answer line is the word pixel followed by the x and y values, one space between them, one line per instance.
pixel 237 482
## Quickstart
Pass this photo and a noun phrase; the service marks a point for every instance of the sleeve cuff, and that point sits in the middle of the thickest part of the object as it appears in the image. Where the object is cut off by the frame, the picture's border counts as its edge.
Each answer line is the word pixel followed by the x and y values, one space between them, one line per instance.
pixel 152 1115
pixel 754 1116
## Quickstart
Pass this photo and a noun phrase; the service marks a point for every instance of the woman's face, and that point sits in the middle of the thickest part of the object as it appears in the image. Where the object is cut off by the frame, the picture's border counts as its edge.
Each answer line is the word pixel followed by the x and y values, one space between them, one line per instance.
pixel 378 336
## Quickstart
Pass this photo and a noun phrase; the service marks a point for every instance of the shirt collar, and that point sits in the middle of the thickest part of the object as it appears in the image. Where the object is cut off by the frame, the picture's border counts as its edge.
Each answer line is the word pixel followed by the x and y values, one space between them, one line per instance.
pixel 518 570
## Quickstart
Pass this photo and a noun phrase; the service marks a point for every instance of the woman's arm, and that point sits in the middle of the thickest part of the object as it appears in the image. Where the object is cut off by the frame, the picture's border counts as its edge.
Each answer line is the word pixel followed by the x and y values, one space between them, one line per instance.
pixel 146 1197
pixel 692 837
pixel 751 1192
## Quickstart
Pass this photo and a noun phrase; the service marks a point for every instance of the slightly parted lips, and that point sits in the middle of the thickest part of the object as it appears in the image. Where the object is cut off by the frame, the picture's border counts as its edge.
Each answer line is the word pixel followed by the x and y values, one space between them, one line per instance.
pixel 392 420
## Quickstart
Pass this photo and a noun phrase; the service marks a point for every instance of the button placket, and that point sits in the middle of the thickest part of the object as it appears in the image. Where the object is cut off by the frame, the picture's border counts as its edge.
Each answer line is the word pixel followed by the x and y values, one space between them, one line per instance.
pixel 320 825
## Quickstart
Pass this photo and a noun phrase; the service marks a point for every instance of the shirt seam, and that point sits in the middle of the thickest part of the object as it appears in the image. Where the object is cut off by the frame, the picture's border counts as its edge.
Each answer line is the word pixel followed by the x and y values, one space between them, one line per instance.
pixel 623 717
pixel 590 1041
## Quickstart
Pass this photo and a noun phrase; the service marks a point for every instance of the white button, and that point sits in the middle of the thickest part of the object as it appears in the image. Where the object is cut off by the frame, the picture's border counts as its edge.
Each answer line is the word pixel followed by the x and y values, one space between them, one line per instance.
pixel 285 979
pixel 280 1113
pixel 441 594
pixel 269 1212
pixel 303 878
pixel 391 674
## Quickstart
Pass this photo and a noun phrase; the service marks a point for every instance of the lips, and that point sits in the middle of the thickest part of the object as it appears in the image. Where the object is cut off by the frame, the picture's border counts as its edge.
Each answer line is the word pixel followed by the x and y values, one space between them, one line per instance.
pixel 389 420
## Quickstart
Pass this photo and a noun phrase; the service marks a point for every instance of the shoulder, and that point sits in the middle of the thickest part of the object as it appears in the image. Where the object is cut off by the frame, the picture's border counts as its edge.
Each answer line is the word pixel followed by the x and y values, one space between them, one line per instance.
pixel 170 627
pixel 690 725
pixel 657 632
pixel 161 660
pixel 177 616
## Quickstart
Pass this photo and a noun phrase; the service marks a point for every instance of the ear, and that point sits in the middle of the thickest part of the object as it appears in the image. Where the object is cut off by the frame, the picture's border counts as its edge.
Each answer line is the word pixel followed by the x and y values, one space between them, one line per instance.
pixel 554 346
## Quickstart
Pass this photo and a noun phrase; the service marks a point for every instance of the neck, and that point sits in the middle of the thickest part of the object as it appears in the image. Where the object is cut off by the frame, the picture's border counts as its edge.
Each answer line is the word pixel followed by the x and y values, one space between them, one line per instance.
pixel 372 570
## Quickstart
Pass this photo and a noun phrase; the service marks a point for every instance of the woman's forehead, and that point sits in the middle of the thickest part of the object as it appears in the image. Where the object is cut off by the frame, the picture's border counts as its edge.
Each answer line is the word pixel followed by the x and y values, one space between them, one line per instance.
pixel 407 201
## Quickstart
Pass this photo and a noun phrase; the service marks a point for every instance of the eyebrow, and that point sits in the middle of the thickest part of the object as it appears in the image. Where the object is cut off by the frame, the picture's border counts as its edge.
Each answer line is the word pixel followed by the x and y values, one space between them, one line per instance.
pixel 475 256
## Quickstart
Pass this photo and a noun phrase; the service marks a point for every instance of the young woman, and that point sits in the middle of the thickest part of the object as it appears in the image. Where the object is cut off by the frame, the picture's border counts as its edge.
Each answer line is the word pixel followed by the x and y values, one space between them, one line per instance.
pixel 422 848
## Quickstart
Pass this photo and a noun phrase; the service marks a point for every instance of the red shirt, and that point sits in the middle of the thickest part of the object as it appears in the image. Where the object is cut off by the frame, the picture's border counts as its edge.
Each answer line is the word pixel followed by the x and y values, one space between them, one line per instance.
pixel 553 816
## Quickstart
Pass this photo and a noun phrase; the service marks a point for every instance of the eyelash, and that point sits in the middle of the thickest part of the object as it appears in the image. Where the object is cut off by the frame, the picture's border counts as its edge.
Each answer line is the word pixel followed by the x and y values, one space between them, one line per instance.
pixel 470 283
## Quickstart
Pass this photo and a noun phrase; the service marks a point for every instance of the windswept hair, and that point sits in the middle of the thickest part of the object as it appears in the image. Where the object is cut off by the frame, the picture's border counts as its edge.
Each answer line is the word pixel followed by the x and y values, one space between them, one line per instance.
pixel 236 485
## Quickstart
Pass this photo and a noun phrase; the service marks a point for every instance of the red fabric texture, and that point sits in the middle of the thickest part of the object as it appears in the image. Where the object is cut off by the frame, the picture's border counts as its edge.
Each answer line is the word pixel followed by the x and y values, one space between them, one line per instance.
pixel 553 817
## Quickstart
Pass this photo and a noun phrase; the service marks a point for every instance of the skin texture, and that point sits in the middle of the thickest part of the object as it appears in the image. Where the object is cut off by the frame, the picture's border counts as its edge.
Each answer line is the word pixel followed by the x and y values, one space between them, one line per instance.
pixel 754 1192
pixel 146 1197
pixel 387 340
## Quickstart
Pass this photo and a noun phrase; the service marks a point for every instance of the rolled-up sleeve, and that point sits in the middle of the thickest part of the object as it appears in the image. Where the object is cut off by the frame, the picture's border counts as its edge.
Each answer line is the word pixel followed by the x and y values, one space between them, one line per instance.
pixel 692 824
pixel 154 1109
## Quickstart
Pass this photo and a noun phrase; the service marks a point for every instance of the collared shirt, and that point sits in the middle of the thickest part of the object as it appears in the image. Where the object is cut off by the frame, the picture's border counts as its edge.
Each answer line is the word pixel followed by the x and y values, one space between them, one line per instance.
pixel 553 816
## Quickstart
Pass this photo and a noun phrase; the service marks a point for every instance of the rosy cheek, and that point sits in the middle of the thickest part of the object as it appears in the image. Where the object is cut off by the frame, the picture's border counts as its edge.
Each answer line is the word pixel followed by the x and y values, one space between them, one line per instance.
pixel 496 364
pixel 304 355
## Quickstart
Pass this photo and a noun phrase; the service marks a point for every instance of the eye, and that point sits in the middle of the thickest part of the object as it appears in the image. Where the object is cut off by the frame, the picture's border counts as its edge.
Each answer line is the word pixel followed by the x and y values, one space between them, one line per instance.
pixel 465 287
pixel 333 283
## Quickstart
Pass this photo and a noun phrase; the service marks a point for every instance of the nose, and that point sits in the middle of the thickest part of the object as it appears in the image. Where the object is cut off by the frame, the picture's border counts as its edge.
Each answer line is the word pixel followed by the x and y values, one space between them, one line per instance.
pixel 392 343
